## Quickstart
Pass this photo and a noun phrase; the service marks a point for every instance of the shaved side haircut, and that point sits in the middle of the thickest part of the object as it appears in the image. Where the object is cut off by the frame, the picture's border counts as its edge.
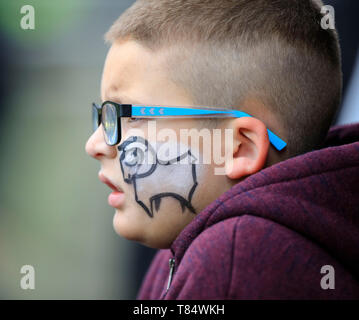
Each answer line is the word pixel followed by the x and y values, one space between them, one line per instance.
pixel 224 52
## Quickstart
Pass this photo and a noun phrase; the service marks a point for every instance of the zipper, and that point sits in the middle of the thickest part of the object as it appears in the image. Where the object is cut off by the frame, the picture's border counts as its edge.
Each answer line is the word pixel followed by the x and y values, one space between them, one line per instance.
pixel 171 263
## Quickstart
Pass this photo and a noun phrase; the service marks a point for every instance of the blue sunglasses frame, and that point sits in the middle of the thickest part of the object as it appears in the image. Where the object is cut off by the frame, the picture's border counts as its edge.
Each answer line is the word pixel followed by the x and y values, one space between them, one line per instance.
pixel 141 111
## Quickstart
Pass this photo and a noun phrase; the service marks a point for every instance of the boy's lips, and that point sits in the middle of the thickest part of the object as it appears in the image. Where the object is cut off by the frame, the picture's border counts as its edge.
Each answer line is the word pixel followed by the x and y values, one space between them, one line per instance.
pixel 117 197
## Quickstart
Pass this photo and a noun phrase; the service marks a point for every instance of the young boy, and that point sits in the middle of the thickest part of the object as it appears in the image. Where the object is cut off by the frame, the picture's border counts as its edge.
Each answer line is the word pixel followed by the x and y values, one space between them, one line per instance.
pixel 278 218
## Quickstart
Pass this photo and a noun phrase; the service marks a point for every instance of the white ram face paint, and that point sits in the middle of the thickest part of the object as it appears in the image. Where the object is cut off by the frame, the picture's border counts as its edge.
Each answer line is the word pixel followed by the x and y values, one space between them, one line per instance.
pixel 170 170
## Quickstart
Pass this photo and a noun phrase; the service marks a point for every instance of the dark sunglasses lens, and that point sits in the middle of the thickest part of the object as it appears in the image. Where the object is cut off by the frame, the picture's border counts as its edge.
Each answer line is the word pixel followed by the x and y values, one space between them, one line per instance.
pixel 109 122
pixel 95 117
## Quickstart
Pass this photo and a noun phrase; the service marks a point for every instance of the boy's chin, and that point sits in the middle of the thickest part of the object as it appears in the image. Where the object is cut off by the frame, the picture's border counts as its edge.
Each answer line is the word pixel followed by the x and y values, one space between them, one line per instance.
pixel 124 227
pixel 134 230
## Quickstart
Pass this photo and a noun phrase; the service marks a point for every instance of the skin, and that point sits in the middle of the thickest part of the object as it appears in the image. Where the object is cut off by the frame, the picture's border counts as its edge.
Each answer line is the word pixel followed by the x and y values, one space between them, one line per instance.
pixel 134 74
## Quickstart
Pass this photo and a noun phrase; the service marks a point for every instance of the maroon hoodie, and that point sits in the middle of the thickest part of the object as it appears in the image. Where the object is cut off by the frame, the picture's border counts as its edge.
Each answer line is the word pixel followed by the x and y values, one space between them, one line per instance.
pixel 269 236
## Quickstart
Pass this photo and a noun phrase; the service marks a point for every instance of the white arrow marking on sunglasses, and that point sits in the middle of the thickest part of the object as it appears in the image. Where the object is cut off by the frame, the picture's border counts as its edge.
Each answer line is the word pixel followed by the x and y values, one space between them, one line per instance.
pixel 151 111
pixel 161 111
pixel 143 110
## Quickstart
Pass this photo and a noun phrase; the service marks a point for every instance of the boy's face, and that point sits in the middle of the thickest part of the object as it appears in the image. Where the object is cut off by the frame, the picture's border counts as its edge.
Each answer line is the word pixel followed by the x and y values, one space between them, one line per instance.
pixel 155 200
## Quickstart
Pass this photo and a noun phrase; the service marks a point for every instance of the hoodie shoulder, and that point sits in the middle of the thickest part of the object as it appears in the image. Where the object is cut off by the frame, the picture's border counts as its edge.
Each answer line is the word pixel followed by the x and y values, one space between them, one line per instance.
pixel 271 261
pixel 249 257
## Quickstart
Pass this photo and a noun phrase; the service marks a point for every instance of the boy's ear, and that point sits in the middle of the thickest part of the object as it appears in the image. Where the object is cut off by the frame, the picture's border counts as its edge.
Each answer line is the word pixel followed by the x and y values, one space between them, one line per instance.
pixel 250 148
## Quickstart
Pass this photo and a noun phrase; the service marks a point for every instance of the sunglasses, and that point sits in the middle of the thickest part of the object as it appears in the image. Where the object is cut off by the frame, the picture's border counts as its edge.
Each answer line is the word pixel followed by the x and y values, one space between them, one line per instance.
pixel 109 114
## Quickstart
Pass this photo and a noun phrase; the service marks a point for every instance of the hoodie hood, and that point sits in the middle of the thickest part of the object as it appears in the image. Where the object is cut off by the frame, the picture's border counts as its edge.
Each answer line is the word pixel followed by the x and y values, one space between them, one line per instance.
pixel 315 194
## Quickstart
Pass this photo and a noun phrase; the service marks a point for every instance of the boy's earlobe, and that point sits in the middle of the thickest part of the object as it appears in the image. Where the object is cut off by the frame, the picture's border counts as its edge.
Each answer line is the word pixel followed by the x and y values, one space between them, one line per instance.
pixel 250 148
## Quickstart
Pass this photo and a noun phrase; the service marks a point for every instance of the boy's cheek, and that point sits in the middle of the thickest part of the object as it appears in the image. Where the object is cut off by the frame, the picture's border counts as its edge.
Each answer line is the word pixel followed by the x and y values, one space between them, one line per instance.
pixel 166 196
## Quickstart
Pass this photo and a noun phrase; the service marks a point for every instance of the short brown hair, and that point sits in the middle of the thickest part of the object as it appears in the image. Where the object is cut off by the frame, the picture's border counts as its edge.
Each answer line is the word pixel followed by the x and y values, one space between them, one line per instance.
pixel 223 51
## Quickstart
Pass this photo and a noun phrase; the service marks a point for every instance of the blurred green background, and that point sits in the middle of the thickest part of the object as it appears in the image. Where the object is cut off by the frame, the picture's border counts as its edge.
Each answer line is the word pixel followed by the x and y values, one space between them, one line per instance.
pixel 53 209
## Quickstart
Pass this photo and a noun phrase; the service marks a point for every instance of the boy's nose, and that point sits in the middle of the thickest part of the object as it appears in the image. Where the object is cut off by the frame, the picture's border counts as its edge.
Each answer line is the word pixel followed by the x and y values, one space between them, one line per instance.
pixel 97 148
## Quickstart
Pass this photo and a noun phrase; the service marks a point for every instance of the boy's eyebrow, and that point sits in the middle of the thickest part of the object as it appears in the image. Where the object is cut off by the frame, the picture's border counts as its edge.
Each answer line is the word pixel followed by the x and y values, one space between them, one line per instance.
pixel 121 100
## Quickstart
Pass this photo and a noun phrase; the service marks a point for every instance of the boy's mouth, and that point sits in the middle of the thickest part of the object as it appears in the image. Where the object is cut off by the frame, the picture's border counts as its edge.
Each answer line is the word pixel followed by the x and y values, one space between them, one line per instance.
pixel 117 196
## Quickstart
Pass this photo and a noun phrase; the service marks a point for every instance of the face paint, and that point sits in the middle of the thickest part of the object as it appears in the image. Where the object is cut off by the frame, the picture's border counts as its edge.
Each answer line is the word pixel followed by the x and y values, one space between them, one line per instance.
pixel 169 171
